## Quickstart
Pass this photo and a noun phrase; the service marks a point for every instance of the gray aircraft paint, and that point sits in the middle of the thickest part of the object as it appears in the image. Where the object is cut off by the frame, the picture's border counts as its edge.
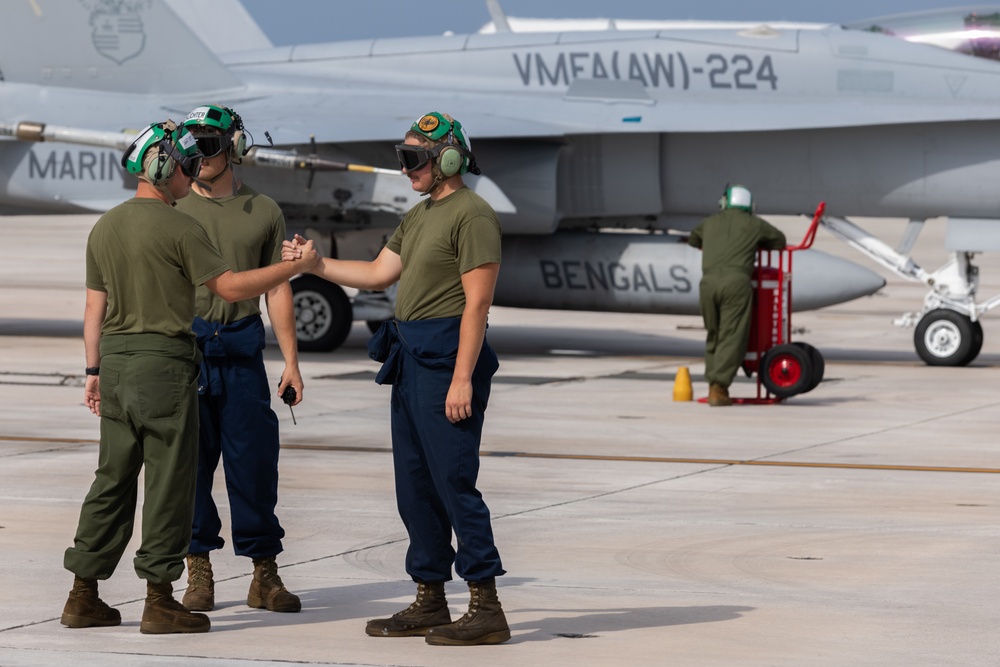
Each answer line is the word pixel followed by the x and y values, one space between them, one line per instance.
pixel 613 129
pixel 622 127
pixel 641 273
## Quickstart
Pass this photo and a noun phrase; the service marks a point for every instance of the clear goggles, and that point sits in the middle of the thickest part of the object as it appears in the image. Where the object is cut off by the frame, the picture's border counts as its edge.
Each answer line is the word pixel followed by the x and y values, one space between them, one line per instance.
pixel 413 158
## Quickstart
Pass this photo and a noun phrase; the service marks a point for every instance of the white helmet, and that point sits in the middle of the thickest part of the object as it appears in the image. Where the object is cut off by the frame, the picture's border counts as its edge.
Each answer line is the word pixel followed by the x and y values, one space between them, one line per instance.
pixel 737 196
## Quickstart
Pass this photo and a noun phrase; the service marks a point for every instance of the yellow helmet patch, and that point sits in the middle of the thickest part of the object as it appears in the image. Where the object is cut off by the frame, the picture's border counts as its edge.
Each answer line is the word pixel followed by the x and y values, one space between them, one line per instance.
pixel 428 123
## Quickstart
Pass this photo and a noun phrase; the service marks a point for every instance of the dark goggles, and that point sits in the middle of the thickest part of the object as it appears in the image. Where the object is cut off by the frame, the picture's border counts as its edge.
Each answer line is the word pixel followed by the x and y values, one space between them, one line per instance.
pixel 211 145
pixel 413 158
pixel 190 164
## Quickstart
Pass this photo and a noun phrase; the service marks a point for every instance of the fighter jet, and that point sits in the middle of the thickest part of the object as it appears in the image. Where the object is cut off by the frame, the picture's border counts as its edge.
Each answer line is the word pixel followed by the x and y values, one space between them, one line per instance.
pixel 599 148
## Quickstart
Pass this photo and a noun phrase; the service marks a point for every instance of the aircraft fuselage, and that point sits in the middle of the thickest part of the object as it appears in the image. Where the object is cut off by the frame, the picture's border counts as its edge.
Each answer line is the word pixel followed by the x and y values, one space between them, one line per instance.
pixel 657 181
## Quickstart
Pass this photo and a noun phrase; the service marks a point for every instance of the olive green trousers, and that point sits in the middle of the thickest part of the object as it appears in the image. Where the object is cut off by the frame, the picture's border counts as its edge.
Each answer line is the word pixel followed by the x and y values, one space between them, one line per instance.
pixel 149 420
pixel 726 301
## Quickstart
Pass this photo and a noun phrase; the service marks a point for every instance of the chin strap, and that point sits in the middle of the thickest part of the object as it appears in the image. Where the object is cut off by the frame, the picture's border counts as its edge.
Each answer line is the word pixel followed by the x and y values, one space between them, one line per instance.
pixel 229 167
pixel 202 184
pixel 438 179
pixel 434 186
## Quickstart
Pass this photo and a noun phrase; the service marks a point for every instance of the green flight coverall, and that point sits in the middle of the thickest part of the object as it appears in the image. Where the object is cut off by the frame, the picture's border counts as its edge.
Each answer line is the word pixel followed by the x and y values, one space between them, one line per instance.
pixel 729 241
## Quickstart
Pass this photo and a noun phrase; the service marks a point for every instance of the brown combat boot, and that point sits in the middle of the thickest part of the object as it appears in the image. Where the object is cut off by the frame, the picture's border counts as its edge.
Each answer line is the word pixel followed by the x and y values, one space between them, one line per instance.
pixel 430 609
pixel 163 615
pixel 484 623
pixel 85 610
pixel 200 594
pixel 718 396
pixel 266 589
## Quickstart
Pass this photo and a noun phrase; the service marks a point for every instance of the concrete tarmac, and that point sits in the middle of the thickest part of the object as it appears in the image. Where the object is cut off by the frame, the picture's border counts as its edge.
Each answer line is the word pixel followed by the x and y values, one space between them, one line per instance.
pixel 856 525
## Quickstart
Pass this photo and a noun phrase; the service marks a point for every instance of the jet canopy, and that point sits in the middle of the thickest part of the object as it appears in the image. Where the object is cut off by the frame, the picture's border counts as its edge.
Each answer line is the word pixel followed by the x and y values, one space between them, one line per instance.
pixel 971 30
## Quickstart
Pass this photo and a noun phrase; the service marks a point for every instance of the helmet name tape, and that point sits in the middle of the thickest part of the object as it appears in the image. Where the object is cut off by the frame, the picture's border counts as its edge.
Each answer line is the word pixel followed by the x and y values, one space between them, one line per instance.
pixel 187 141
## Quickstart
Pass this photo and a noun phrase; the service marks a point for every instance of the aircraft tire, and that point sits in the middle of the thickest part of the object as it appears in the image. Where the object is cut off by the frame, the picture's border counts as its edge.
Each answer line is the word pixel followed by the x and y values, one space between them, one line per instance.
pixel 945 337
pixel 817 362
pixel 977 341
pixel 786 370
pixel 322 314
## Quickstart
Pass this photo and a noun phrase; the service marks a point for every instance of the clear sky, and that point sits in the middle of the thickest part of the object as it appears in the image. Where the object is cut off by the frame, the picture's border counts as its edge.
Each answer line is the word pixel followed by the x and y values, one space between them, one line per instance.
pixel 307 21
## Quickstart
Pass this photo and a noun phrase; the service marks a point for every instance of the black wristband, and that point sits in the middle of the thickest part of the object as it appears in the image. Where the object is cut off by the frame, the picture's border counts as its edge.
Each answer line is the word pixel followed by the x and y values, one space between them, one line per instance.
pixel 92 370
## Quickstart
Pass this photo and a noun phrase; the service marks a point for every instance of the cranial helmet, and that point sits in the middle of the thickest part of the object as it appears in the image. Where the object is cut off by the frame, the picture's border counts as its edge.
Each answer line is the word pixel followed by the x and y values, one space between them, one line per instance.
pixel 174 146
pixel 737 196
pixel 229 126
pixel 451 145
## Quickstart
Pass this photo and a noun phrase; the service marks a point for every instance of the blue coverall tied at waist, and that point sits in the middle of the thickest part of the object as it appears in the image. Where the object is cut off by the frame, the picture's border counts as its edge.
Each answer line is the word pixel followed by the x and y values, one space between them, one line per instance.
pixel 436 463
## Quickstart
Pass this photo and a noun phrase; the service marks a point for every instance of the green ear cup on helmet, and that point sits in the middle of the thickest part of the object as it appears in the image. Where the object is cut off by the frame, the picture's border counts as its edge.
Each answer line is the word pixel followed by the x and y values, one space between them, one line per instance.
pixel 450 161
pixel 160 169
pixel 240 143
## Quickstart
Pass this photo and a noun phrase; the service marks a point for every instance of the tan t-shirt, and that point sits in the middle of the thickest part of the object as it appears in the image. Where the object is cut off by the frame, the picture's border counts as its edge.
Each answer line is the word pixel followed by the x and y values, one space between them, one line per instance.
pixel 437 242
pixel 247 230
pixel 148 256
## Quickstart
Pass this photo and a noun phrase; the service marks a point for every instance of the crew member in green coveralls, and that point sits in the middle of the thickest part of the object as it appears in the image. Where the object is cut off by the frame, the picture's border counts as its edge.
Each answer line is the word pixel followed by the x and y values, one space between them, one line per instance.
pixel 236 421
pixel 729 241
pixel 446 256
pixel 144 259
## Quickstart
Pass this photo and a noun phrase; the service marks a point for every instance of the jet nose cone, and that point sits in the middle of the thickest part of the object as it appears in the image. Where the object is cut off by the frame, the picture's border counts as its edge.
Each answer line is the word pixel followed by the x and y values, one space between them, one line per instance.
pixel 820 280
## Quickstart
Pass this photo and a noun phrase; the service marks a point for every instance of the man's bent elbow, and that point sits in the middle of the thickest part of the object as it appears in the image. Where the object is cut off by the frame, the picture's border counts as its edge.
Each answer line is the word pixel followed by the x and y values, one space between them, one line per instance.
pixel 228 296
pixel 224 286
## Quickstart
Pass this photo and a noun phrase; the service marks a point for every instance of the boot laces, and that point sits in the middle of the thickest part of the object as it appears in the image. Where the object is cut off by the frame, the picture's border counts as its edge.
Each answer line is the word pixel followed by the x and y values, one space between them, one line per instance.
pixel 199 572
pixel 475 596
pixel 416 605
pixel 269 572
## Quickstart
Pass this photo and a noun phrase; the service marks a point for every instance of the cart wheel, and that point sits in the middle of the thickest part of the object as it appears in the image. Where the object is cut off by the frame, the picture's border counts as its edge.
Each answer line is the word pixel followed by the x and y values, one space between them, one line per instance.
pixel 322 314
pixel 786 370
pixel 945 337
pixel 818 364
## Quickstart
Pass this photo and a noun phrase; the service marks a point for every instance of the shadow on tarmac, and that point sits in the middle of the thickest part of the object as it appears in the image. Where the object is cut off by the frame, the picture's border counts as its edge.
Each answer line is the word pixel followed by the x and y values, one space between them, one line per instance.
pixel 513 342
pixel 361 602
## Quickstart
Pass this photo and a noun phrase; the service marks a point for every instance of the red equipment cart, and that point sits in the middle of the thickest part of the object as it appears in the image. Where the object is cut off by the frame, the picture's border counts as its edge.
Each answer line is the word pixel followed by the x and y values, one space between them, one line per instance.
pixel 784 368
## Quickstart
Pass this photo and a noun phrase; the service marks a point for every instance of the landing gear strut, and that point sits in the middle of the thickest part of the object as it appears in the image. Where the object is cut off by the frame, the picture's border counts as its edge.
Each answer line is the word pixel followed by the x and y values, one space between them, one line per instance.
pixel 948 330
